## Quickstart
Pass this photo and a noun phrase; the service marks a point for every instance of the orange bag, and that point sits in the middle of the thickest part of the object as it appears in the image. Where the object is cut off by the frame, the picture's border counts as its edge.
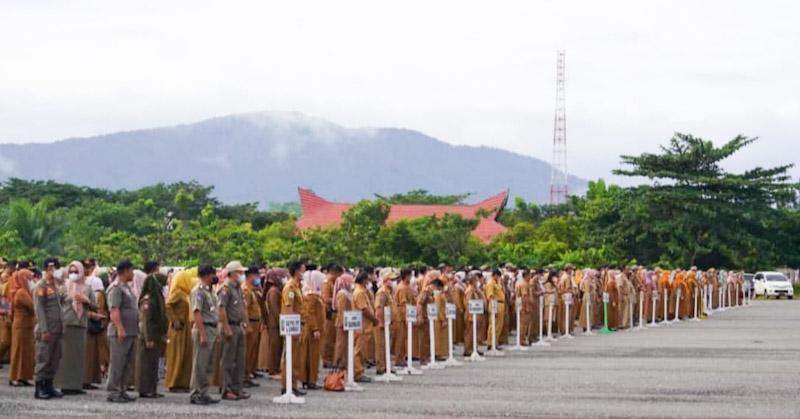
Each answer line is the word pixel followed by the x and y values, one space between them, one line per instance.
pixel 334 381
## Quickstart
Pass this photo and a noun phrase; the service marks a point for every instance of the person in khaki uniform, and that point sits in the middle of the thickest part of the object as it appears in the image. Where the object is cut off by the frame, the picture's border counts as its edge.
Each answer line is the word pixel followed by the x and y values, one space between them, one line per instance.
pixel 440 324
pixel 424 298
pixel 292 302
pixel 274 288
pixel 314 322
pixel 343 300
pixel 495 291
pixel 457 297
pixel 587 287
pixel 383 298
pixel 5 311
pixel 471 293
pixel 233 325
pixel 251 296
pixel 47 300
pixel 363 302
pixel 522 292
pixel 329 332
pixel 204 335
pixel 402 297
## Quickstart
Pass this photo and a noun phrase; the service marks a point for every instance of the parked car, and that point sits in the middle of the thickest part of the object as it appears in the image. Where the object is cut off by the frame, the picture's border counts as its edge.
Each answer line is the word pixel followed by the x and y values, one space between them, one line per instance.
pixel 773 284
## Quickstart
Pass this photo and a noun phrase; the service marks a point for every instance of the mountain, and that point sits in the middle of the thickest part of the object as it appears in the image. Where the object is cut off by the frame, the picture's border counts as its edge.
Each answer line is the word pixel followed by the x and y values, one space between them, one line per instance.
pixel 263 157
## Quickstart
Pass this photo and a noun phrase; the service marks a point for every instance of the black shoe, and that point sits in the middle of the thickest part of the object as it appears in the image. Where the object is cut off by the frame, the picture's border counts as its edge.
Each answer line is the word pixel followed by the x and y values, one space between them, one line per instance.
pixel 50 389
pixel 198 400
pixel 257 375
pixel 150 395
pixel 41 393
pixel 297 392
pixel 363 379
pixel 90 387
pixel 311 386
pixel 127 397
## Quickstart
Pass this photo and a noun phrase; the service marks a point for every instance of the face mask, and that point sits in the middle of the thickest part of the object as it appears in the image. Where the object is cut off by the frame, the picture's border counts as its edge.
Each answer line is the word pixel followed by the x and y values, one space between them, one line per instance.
pixel 73 277
pixel 257 282
pixel 446 288
pixel 436 293
pixel 284 280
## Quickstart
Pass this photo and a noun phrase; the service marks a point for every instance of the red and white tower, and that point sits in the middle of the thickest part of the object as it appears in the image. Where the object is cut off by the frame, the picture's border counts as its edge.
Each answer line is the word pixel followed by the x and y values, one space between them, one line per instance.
pixel 558 177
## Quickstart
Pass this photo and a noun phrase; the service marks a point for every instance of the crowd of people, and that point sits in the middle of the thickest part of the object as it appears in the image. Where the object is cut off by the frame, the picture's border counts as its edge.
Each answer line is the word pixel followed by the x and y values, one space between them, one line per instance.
pixel 79 326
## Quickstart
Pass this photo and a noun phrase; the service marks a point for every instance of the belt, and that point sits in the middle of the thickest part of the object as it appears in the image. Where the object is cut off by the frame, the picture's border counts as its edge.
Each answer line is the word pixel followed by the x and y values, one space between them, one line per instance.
pixel 255 320
pixel 234 323
pixel 209 324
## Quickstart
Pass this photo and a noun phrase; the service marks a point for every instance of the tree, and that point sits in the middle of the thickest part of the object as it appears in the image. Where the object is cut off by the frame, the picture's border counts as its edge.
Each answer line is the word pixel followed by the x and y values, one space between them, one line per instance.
pixel 38 228
pixel 422 196
pixel 696 213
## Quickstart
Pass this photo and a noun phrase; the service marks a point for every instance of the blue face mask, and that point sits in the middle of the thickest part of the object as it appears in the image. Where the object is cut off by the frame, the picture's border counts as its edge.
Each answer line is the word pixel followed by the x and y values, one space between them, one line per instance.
pixel 257 282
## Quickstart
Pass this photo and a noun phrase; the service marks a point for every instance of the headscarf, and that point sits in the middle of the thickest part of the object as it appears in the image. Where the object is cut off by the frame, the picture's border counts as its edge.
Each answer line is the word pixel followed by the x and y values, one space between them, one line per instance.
pixel 312 282
pixel 19 282
pixel 152 288
pixel 76 287
pixel 181 287
pixel 343 285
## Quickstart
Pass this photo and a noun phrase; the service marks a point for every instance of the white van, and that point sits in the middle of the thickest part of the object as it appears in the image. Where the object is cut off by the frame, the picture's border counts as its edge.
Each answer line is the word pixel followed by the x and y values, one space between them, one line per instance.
pixel 773 284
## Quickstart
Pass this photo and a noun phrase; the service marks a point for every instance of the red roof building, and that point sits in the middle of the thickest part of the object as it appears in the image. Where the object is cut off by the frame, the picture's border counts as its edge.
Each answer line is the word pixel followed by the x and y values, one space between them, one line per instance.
pixel 319 212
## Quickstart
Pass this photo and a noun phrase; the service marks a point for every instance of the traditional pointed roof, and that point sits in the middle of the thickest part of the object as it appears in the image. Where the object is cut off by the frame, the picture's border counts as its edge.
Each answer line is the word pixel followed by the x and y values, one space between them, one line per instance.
pixel 319 212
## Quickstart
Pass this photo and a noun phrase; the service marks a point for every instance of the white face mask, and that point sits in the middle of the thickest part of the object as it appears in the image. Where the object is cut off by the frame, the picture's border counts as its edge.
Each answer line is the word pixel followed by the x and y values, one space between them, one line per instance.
pixel 436 293
pixel 284 280
pixel 73 277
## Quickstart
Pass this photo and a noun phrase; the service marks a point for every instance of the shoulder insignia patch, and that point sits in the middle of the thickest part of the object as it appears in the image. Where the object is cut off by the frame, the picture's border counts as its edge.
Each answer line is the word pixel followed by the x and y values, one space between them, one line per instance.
pixel 290 295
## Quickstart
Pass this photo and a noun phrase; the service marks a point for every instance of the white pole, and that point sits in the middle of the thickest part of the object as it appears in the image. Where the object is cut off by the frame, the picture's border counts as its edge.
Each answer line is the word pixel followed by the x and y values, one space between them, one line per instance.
pixel 567 319
pixel 518 310
pixel 666 303
pixel 432 365
pixel 696 291
pixel 677 318
pixel 475 356
pixel 288 397
pixel 409 369
pixel 588 330
pixel 493 311
pixel 388 375
pixel 642 320
pixel 653 309
pixel 350 384
pixel 541 341
pixel 451 361
pixel 550 323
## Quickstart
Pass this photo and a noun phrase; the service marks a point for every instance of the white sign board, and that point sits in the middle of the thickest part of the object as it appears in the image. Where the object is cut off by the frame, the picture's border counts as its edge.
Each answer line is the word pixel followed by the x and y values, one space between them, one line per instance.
pixel 568 298
pixel 551 299
pixel 605 297
pixel 655 295
pixel 433 311
pixel 475 306
pixel 518 302
pixel 451 311
pixel 411 313
pixel 387 316
pixel 493 307
pixel 352 320
pixel 290 325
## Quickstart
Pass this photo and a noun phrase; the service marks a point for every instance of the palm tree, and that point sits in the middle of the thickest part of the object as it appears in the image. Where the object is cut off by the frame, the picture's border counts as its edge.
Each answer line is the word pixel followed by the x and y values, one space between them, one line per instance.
pixel 37 226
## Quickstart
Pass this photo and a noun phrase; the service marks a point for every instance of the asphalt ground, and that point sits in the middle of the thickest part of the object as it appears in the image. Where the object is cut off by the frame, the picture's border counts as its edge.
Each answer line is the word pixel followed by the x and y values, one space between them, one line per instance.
pixel 741 363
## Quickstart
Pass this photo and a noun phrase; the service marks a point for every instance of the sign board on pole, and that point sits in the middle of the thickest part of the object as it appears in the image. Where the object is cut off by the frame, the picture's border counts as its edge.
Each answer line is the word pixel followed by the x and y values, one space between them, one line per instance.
pixel 551 299
pixel 290 325
pixel 518 302
pixel 411 313
pixel 568 298
pixel 475 306
pixel 605 297
pixel 352 320
pixel 451 311
pixel 493 307
pixel 433 311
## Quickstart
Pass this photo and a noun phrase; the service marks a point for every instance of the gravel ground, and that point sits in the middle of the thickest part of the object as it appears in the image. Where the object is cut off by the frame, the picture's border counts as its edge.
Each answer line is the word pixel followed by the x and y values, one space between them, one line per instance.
pixel 741 363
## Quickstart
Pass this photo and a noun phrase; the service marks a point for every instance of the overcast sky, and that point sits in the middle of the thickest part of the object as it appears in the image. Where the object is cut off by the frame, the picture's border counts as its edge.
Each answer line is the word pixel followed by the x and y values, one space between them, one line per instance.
pixel 464 72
